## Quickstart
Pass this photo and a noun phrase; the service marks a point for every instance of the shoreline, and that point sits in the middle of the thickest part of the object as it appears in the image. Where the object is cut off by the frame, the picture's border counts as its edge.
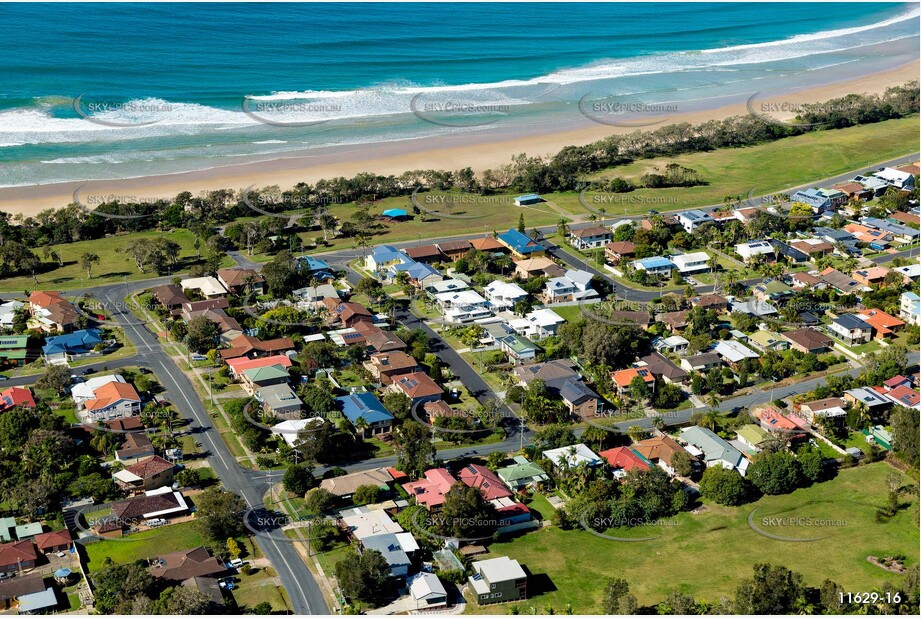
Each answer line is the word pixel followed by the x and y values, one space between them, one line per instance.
pixel 480 151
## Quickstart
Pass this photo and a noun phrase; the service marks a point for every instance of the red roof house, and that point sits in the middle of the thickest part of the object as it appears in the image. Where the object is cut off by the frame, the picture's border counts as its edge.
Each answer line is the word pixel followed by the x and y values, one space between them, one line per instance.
pixel 52 542
pixel 16 396
pixel 430 491
pixel 622 458
pixel 484 479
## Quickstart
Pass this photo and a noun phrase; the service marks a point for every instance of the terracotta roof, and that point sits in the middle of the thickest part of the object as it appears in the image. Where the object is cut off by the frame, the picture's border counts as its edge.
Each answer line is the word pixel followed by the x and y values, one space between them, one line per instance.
pixel 431 490
pixel 181 565
pixel 17 551
pixel 596 230
pixel 245 344
pixel 345 310
pixel 135 444
pixel 150 467
pixel 169 295
pixel 239 365
pixel 111 393
pixel 45 299
pixel 487 244
pixel 880 320
pixel 905 217
pixel 417 384
pixel 238 276
pixel 16 396
pixel 809 338
pixel 422 252
pixel 623 377
pixel 658 448
pixel 623 458
pixel 454 246
pixel 660 365
pixel 484 479
pixel 203 305
pixel 806 279
pixel 622 247
pixel 909 168
pixel 709 300
pixel 381 340
pixel 46 540
pixel 388 361
pixel 133 508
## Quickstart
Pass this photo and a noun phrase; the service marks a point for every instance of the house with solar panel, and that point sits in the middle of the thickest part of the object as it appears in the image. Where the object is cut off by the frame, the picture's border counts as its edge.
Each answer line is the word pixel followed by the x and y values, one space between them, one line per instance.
pixel 366 413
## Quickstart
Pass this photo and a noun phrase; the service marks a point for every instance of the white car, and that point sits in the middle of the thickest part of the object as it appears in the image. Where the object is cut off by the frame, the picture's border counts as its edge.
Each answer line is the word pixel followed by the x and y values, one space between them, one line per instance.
pixel 236 563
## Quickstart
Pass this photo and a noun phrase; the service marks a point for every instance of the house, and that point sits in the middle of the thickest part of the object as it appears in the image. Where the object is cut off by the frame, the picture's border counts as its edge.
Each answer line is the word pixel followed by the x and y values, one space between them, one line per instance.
pixel 753 436
pixel 593 237
pixel 346 314
pixel 713 450
pixel 366 413
pixel 732 352
pixel 428 254
pixel 418 275
pixel 896 178
pixel 877 239
pixel 315 267
pixel 17 556
pixel 808 340
pixel 691 263
pixel 263 376
pixel 714 302
pixel 502 295
pixel 904 218
pixel 622 460
pixel 616 252
pixel 537 324
pixel 14 589
pixel 484 479
pixel 377 339
pixel 580 400
pixel 829 407
pixel 701 362
pixel 537 267
pixel 210 589
pixel 790 252
pixel 769 341
pixel 690 220
pixel 488 244
pixel 875 186
pixel 453 250
pixel 772 290
pixel 841 282
pixel 813 247
pixel 527 200
pixel 750 251
pixel 754 307
pixel 427 591
pixel 498 580
pixel 553 373
pixel 821 200
pixel 868 397
pixel 805 280
pixel 909 273
pixel 114 399
pixel 136 447
pixel 383 257
pixel 575 285
pixel 518 349
pixel 624 377
pixel 63 348
pixel 791 426
pixel 446 285
pixel 674 344
pixel 851 329
pixel 157 503
pixel 279 400
pixel 238 365
pixel 313 294
pixel 567 457
pixel 417 386
pixel 345 486
pixel 385 366
pixel 657 265
pixel 522 474
pixel 884 325
pixel 152 473
pixel 904 396
pixel 659 450
pixel 253 347
pixel 880 436
pixel 676 321
pixel 181 565
pixel 198 307
pixel 870 277
pixel 84 391
pixel 170 296
pixel 14 350
pixel 209 287
pixel 853 190
pixel 663 368
pixel 430 491
pixel 388 545
pixel 16 397
pixel 910 307
pixel 52 312
pixel 463 306
pixel 521 245
pixel 241 280
pixel 290 430
pixel 227 327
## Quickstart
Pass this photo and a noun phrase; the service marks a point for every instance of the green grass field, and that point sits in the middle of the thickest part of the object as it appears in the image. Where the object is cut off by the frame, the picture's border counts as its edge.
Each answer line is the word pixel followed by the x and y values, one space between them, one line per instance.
pixel 707 555
pixel 114 263
pixel 144 545
pixel 765 168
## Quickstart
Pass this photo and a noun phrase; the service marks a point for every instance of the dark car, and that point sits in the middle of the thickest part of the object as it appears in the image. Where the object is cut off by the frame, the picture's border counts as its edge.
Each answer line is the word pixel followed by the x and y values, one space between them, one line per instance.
pixel 88 371
pixel 144 370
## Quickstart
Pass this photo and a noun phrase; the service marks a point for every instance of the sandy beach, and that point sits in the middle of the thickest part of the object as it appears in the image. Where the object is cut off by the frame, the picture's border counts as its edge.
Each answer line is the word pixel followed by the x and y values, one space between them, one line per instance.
pixel 479 151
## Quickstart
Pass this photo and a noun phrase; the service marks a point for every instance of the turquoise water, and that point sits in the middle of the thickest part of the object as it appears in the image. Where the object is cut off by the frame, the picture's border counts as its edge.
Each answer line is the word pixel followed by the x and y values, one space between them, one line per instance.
pixel 165 88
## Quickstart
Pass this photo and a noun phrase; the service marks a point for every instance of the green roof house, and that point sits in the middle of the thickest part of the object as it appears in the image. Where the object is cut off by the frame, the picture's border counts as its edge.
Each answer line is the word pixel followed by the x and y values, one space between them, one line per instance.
pixel 28 531
pixel 881 436
pixel 753 436
pixel 522 473
pixel 14 349
pixel 518 349
pixel 7 527
pixel 767 341
pixel 263 376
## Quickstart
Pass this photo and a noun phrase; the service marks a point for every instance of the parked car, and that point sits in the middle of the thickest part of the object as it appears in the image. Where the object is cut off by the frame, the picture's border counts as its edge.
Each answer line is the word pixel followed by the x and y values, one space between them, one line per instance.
pixel 88 371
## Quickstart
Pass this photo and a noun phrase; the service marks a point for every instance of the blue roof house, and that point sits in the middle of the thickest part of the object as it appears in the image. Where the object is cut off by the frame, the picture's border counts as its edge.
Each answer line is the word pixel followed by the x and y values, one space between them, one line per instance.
pixel 366 406
pixel 63 347
pixel 385 256
pixel 520 244
pixel 422 274
pixel 657 265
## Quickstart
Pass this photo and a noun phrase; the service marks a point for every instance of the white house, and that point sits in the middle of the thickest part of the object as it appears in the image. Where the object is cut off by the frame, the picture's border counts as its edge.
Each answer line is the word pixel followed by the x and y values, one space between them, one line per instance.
pixel 690 263
pixel 572 456
pixel 675 343
pixel 751 250
pixel 895 178
pixel 572 286
pixel 690 220
pixel 733 352
pixel 110 401
pixel 83 392
pixel 910 307
pixel 537 324
pixel 8 312
pixel 447 285
pixel 209 287
pixel 462 306
pixel 502 295
pixel 590 237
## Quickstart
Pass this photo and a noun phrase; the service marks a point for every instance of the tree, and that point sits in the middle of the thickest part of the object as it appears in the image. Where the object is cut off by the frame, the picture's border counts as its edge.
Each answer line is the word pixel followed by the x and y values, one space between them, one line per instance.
pixel 262 608
pixel 723 486
pixel 811 463
pixel 465 514
pixel 115 585
pixel 775 473
pixel 905 435
pixel 233 548
pixel 56 378
pixel 220 513
pixel 397 404
pixel 182 600
pixel 298 479
pixel 639 390
pixel 366 494
pixel 521 226
pixel 415 451
pixel 201 334
pixel 86 261
pixel 616 598
pixel 682 464
pixel 364 578
pixel 189 477
pixel 678 603
pixel 771 590
pixel 317 500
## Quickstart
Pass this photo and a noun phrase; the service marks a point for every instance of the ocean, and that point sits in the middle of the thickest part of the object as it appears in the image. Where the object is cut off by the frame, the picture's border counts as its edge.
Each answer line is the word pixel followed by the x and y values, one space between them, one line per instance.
pixel 92 91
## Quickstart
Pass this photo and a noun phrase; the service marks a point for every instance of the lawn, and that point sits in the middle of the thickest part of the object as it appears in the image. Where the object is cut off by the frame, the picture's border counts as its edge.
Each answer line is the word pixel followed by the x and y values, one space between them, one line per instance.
pixel 260 586
pixel 707 555
pixel 144 545
pixel 762 169
pixel 114 263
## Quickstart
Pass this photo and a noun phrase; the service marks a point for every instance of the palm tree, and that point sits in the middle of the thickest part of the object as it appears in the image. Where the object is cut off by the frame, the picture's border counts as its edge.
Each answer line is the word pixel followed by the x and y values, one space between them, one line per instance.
pixel 562 227
pixel 709 420
pixel 360 426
